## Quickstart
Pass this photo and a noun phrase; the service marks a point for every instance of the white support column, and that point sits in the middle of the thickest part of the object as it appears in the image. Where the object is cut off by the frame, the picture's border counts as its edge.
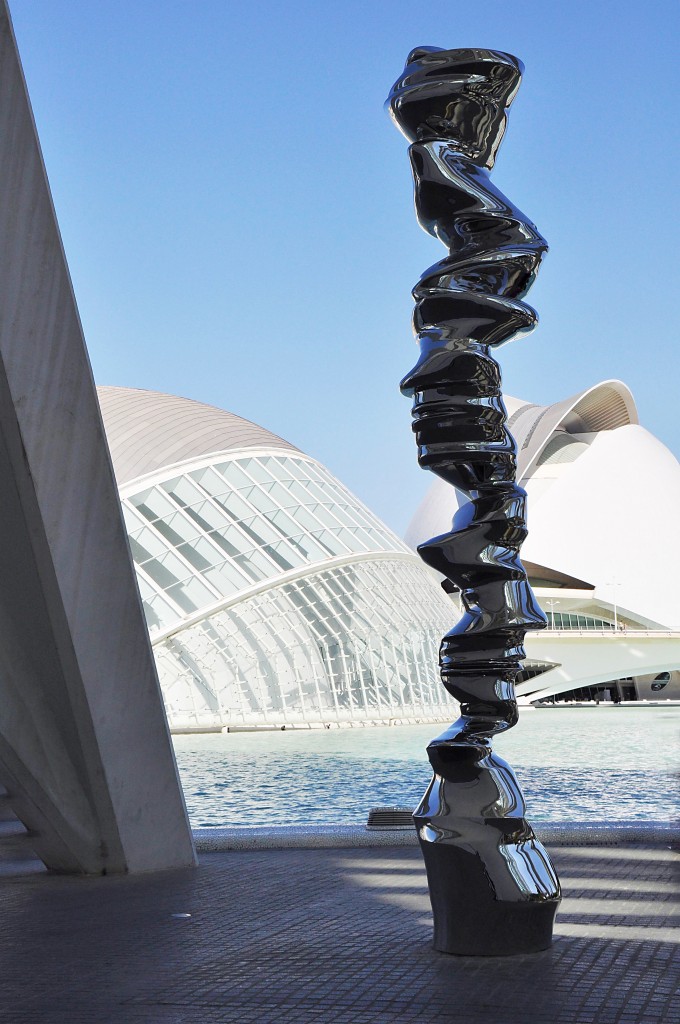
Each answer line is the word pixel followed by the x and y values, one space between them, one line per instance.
pixel 84 746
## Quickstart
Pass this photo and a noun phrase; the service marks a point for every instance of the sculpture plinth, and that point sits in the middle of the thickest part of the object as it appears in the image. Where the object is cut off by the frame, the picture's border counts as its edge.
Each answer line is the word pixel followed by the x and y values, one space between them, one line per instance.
pixel 492 886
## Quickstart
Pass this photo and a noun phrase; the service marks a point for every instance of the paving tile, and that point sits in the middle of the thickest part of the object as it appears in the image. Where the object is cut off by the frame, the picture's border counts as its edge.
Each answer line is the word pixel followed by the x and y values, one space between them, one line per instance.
pixel 332 936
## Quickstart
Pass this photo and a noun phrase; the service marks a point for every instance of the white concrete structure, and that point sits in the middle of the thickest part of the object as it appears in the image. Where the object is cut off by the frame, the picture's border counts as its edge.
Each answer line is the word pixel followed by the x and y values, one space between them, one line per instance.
pixel 85 756
pixel 272 595
pixel 604 496
pixel 589 658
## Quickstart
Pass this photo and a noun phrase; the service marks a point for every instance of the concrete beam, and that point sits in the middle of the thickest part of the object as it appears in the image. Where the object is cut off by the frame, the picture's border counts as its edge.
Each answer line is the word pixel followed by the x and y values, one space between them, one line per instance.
pixel 85 752
pixel 590 658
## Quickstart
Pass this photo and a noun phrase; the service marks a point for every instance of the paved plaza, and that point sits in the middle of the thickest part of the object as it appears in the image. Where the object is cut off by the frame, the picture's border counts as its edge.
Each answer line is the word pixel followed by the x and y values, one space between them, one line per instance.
pixel 337 936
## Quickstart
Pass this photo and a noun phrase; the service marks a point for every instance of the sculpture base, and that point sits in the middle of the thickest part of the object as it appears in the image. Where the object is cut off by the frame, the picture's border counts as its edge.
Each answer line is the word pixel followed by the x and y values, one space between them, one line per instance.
pixel 469 920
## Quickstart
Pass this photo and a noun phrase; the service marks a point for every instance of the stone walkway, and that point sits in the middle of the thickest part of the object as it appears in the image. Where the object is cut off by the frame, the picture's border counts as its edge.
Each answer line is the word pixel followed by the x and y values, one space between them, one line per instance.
pixel 332 937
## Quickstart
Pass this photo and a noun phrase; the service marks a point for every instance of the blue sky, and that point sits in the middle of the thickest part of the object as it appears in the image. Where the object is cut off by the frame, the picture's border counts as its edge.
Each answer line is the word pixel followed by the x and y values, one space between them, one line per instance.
pixel 237 213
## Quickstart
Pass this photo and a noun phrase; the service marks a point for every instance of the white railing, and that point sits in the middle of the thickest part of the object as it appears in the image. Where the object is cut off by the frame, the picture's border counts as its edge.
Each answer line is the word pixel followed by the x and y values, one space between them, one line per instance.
pixel 619 634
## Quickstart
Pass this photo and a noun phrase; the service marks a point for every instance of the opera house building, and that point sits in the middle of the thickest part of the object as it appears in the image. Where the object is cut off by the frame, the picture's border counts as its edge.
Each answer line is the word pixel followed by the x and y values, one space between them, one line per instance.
pixel 274 597
pixel 602 552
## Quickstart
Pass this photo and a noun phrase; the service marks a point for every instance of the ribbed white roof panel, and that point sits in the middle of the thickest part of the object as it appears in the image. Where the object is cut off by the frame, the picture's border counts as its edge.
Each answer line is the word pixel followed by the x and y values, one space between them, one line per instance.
pixel 605 406
pixel 560 449
pixel 147 430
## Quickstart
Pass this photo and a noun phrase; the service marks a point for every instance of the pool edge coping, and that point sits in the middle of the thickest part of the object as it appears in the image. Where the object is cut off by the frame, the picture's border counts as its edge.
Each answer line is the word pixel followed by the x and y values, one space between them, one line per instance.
pixel 300 837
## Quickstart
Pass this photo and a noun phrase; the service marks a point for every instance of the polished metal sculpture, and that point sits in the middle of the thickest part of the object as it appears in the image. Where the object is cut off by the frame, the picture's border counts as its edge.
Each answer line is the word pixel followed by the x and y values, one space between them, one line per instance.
pixel 492 886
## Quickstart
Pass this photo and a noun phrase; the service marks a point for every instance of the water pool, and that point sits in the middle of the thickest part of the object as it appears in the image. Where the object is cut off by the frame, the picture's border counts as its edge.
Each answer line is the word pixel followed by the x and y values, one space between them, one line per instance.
pixel 605 763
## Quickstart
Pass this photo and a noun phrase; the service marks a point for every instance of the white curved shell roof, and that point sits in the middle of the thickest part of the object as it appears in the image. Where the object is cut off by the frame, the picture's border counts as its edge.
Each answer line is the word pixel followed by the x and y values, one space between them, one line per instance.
pixel 604 406
pixel 609 517
pixel 603 499
pixel 147 430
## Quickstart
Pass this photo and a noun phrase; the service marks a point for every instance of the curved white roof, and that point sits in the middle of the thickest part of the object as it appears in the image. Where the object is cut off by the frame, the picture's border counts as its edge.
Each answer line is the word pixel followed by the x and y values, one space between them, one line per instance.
pixel 148 430
pixel 609 517
pixel 603 499
pixel 603 406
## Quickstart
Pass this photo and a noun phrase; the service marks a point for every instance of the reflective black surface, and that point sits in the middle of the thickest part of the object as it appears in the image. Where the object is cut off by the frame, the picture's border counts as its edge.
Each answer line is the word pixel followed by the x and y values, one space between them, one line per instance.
pixel 492 886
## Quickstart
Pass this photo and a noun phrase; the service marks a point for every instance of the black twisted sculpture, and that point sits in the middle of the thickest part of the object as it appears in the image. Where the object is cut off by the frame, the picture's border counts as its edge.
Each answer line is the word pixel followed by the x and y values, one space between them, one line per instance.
pixel 492 886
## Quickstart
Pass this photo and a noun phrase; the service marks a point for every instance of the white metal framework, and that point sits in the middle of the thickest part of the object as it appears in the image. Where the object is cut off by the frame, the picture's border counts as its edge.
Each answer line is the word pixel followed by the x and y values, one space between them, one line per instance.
pixel 273 596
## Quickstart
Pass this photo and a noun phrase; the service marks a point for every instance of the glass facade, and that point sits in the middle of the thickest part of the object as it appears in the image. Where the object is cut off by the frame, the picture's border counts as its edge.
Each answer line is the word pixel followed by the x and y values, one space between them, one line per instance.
pixel 273 596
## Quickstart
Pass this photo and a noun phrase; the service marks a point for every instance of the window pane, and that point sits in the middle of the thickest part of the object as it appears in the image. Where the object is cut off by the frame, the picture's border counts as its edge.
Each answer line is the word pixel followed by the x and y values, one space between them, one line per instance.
pixel 153 504
pixel 183 491
pixel 234 475
pixel 257 469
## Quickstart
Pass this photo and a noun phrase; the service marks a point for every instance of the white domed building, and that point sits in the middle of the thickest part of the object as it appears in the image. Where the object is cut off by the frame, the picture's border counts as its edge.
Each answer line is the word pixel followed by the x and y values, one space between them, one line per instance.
pixel 602 551
pixel 272 595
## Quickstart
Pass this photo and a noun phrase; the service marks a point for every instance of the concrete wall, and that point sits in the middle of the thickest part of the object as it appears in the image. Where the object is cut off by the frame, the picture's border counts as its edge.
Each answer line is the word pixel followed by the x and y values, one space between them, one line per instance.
pixel 84 747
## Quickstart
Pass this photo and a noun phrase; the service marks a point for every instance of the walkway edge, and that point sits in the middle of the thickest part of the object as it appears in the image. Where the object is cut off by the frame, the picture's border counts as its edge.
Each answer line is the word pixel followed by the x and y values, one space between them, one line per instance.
pixel 314 837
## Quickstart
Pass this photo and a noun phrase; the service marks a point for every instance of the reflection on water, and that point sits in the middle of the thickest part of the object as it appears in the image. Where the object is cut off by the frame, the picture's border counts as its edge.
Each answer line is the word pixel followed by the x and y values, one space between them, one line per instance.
pixel 573 764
